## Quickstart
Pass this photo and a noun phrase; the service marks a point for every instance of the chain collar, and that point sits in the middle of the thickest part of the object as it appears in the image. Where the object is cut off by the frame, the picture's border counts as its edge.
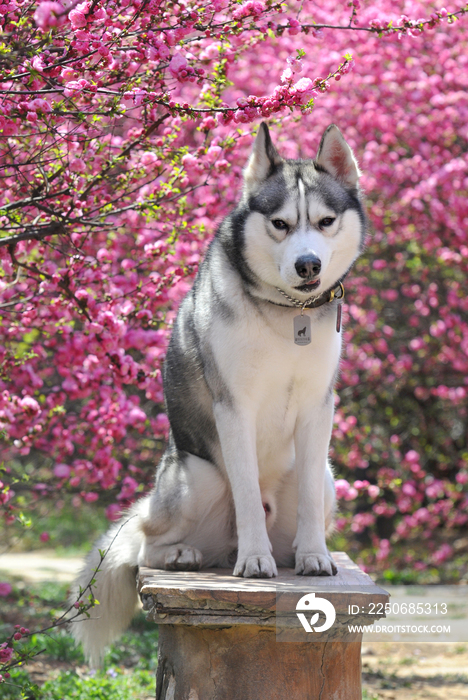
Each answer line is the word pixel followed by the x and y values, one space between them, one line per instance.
pixel 336 292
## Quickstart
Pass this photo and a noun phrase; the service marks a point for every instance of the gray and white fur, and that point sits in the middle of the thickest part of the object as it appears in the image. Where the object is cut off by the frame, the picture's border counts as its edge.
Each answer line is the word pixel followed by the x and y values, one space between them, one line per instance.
pixel 245 479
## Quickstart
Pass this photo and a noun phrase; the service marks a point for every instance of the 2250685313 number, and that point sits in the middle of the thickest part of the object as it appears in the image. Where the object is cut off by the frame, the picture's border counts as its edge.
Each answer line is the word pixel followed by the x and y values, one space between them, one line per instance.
pixel 400 609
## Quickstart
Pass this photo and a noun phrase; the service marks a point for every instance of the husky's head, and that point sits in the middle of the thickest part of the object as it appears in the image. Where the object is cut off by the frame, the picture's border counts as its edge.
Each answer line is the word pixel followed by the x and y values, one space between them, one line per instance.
pixel 304 224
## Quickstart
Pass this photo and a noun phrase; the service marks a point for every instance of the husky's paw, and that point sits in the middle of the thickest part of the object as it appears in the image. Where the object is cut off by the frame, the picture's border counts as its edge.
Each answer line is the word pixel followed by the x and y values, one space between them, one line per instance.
pixel 309 564
pixel 183 557
pixel 257 566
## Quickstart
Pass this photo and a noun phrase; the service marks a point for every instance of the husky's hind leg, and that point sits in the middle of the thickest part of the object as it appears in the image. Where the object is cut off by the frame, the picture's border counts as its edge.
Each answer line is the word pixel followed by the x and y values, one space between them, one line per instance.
pixel 189 516
pixel 175 557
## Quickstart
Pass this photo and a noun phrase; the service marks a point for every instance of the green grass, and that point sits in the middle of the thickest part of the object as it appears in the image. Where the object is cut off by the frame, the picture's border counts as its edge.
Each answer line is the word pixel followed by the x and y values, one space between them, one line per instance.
pixel 72 532
pixel 12 689
pixel 110 685
pixel 113 684
pixel 366 695
pixel 129 666
pixel 407 661
pixel 128 671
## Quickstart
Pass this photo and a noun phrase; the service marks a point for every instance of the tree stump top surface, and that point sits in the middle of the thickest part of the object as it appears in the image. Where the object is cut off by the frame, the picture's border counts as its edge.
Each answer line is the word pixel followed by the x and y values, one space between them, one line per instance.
pixel 174 592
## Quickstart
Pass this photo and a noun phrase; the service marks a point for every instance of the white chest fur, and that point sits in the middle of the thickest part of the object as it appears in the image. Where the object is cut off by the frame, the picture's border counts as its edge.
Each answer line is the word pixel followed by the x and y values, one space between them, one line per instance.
pixel 272 379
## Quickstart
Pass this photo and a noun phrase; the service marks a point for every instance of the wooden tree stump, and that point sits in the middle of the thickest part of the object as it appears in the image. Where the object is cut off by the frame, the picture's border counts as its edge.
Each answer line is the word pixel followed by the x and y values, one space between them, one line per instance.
pixel 222 637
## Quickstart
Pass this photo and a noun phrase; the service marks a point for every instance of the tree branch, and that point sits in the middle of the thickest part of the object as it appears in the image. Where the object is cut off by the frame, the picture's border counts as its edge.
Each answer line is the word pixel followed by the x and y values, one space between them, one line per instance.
pixel 36 234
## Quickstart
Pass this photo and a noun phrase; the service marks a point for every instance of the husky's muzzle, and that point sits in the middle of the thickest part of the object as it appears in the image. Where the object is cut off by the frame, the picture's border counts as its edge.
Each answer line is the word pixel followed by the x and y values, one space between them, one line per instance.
pixel 308 267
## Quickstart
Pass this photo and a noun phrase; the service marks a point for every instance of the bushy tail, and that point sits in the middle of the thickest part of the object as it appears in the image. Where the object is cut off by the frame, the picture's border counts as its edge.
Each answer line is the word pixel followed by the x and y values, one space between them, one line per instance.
pixel 114 587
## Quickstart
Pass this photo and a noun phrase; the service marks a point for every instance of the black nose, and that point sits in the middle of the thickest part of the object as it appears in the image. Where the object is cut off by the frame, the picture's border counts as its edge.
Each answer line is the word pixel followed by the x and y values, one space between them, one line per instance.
pixel 308 266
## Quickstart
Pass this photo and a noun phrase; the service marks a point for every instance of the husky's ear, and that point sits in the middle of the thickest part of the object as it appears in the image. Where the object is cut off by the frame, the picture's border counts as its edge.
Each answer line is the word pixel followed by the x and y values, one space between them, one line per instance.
pixel 337 158
pixel 263 160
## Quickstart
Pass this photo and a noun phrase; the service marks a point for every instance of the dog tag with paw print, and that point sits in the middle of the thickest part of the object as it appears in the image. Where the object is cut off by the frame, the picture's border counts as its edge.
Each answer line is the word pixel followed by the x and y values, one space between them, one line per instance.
pixel 302 330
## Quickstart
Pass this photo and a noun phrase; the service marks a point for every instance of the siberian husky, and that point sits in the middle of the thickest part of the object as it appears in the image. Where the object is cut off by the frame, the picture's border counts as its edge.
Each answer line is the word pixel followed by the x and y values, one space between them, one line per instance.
pixel 248 378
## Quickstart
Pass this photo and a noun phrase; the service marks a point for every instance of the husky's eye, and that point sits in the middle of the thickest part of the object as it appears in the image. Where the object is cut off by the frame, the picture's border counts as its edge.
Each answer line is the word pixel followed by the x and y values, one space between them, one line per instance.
pixel 280 224
pixel 327 221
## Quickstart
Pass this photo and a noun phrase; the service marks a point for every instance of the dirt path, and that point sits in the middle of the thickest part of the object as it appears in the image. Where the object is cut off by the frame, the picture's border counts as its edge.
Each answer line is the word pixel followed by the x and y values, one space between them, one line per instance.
pixel 42 565
pixel 415 671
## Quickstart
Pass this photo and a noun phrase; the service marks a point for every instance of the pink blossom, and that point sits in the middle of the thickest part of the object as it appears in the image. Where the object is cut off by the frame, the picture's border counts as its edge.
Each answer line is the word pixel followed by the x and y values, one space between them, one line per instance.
pixel 5 589
pixel 442 554
pixel 129 486
pixel 409 489
pixel 422 515
pixel 190 162
pixel 75 86
pixel 113 512
pixel 29 405
pixel 213 153
pixel 345 490
pixel 304 85
pixel 62 471
pixel 361 521
pixel 208 123
pixel 39 105
pixel 404 504
pixel 68 74
pixel 37 63
pixel 149 158
pixel 434 490
pixel 77 19
pixel 251 7
pixel 91 497
pixel 48 14
pixel 294 26
pixel 287 75
pixel 77 16
pixel 177 64
pixel 78 165
pixel 6 654
pixel 136 416
pixel 383 550
pixel 137 96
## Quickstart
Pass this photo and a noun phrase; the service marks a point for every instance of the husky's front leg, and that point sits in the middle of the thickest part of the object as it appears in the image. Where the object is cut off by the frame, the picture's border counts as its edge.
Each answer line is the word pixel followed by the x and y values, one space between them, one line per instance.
pixel 312 439
pixel 236 430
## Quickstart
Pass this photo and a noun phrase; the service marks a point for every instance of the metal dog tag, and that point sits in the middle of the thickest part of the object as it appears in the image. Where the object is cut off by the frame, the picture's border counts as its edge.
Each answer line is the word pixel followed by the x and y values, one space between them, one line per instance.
pixel 302 330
